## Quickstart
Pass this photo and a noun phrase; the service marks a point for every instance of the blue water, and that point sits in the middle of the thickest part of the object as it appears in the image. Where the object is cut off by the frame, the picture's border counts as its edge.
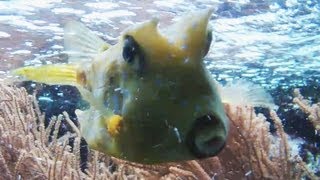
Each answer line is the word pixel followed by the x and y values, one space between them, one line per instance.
pixel 273 43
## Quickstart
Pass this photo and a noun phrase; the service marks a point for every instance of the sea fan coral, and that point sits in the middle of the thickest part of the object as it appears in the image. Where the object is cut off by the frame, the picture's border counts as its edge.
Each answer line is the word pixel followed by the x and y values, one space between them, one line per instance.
pixel 31 151
pixel 26 151
pixel 313 110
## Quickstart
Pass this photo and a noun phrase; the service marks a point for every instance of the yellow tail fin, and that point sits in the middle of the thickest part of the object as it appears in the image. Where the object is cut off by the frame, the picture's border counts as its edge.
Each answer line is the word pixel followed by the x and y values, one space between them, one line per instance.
pixel 62 74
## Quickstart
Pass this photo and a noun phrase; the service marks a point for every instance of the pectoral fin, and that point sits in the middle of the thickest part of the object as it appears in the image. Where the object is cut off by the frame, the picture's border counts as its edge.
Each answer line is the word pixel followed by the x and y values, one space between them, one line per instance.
pixel 59 74
pixel 95 129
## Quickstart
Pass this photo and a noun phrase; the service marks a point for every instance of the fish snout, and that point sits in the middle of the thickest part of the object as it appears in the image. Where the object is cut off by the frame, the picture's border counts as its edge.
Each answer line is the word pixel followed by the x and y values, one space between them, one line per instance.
pixel 207 136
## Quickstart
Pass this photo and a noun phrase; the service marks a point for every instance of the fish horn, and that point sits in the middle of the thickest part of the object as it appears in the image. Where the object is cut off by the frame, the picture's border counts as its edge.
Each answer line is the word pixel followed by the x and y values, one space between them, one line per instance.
pixel 191 34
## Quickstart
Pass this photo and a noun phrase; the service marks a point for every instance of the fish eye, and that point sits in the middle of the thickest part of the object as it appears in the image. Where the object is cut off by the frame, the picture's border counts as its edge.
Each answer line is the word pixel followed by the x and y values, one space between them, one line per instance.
pixel 130 49
pixel 133 55
pixel 207 137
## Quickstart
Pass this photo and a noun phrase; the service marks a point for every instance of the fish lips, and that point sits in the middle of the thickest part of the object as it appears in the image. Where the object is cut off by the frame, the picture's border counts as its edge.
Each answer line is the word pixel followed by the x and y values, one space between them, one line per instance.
pixel 207 137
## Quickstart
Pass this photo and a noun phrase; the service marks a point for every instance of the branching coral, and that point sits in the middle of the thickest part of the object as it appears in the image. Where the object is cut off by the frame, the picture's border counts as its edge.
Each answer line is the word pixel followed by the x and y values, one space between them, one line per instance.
pixel 26 151
pixel 313 110
pixel 31 151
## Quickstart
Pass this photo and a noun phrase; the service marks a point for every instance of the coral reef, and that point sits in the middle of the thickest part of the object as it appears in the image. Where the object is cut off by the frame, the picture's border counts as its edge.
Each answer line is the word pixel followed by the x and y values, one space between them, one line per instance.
pixel 313 110
pixel 28 150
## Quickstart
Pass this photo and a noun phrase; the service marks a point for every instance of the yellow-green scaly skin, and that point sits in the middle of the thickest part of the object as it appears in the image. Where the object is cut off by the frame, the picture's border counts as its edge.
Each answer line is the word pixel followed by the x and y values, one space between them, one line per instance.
pixel 161 101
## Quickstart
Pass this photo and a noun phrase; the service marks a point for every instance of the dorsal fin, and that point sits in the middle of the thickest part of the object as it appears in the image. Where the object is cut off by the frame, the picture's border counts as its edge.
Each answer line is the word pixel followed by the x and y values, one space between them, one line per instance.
pixel 81 44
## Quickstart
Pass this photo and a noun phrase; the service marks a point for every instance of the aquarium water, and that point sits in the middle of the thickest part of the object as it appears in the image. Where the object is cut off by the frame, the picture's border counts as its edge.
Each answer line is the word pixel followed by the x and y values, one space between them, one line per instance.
pixel 272 43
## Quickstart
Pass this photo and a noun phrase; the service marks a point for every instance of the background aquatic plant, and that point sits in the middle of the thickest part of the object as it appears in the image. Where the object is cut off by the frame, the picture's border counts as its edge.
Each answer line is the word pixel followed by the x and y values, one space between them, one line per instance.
pixel 267 42
pixel 312 110
pixel 29 150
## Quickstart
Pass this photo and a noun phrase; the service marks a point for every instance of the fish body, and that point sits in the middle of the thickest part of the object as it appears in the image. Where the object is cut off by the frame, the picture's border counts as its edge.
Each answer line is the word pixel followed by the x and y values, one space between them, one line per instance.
pixel 152 100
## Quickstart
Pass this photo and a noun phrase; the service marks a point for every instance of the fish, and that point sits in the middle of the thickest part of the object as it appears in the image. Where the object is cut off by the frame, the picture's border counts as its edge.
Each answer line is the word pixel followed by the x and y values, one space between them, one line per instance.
pixel 152 99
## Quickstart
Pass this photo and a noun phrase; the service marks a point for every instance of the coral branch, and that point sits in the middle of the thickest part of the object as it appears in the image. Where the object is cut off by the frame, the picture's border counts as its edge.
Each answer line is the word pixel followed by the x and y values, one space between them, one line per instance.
pixel 313 110
pixel 30 151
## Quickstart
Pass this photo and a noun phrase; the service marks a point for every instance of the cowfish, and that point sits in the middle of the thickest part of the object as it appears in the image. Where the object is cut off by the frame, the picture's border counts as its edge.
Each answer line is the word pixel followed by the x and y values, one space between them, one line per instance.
pixel 151 98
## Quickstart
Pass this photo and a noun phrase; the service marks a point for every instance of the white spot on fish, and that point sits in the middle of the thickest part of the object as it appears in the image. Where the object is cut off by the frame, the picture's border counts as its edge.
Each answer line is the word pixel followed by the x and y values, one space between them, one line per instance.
pixel 117 89
pixel 186 60
pixel 176 131
pixel 166 122
pixel 125 93
pixel 157 145
pixel 184 47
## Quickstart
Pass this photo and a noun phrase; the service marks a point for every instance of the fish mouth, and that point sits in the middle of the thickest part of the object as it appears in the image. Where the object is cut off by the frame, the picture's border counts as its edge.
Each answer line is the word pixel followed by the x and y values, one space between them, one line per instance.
pixel 207 136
